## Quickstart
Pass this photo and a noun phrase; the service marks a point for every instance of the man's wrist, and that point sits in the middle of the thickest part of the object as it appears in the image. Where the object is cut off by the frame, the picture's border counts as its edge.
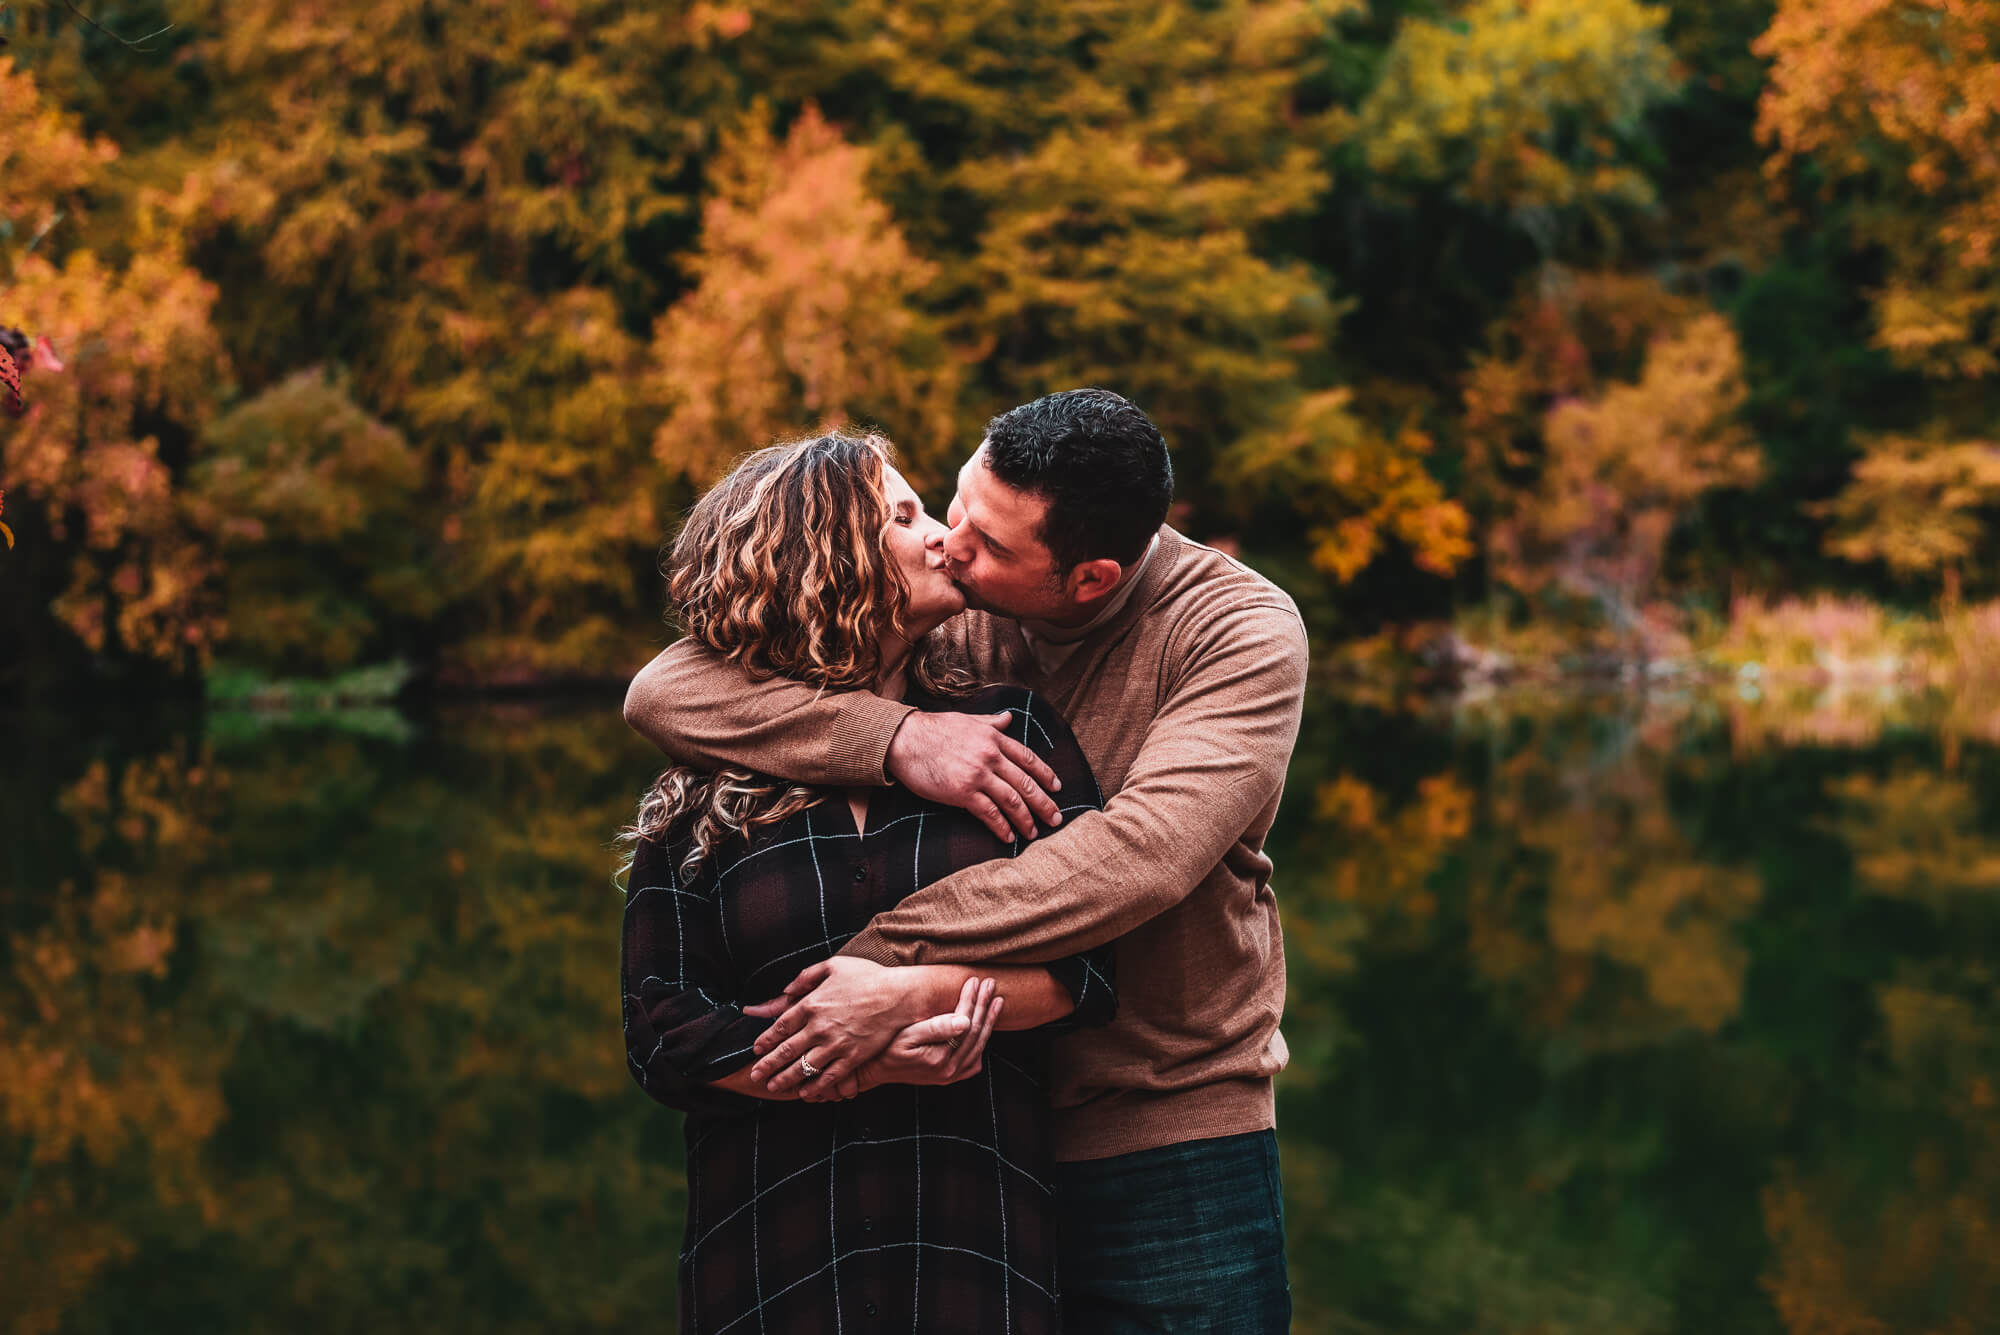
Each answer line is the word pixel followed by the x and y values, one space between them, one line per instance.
pixel 933 991
pixel 889 763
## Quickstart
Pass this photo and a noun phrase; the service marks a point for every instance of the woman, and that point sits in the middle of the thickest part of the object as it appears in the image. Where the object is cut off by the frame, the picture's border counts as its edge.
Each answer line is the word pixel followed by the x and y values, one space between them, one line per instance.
pixel 922 1203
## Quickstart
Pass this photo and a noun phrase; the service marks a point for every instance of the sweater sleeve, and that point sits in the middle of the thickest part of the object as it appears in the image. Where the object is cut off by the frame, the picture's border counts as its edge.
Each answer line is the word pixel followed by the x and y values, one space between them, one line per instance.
pixel 684 1027
pixel 1089 977
pixel 1213 758
pixel 705 711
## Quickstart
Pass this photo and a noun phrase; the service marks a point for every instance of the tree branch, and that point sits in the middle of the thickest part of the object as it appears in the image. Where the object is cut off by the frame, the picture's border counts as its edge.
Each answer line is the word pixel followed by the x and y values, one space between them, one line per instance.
pixel 128 43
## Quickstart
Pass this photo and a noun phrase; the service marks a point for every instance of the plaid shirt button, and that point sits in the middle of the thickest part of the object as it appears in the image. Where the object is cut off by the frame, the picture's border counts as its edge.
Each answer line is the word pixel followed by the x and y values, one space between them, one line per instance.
pixel 860 873
pixel 869 1308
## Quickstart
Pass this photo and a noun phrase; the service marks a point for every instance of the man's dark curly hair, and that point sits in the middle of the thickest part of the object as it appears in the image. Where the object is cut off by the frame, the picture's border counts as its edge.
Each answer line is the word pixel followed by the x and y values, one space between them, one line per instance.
pixel 1100 464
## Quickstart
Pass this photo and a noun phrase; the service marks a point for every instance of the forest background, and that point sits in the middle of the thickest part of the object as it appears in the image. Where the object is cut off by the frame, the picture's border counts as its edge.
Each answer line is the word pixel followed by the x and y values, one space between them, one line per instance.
pixel 1583 331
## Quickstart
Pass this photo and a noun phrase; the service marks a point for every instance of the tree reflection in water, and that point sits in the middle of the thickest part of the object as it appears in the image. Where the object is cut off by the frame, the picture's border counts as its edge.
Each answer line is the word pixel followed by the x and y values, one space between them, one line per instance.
pixel 1606 1016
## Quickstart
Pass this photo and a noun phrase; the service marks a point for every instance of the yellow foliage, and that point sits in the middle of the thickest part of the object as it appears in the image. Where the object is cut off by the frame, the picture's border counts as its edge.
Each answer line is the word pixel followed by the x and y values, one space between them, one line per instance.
pixel 1917 834
pixel 1515 102
pixel 43 160
pixel 1383 861
pixel 1648 903
pixel 1902 97
pixel 1912 503
pixel 1604 915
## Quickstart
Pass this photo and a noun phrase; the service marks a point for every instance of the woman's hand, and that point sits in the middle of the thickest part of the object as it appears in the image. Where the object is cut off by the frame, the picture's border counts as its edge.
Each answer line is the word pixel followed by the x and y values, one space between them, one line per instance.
pixel 838 1015
pixel 939 1051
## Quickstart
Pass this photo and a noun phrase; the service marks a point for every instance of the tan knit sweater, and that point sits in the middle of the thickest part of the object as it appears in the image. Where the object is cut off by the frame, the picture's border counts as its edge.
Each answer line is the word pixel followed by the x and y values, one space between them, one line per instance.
pixel 1187 705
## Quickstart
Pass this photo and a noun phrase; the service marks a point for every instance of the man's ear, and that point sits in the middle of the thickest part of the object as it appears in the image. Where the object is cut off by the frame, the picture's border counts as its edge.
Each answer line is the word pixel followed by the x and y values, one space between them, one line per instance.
pixel 1091 580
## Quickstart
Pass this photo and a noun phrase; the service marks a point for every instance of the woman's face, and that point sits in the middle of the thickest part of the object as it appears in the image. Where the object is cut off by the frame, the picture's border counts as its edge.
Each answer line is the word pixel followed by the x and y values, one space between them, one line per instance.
pixel 915 542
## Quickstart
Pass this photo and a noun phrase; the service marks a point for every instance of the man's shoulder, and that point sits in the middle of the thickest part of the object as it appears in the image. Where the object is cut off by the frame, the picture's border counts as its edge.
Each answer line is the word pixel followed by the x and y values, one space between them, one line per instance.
pixel 1208 588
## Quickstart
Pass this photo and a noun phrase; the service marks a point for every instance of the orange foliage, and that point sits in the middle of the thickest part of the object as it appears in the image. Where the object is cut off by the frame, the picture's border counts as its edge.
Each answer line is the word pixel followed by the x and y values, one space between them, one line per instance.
pixel 43 160
pixel 139 345
pixel 1902 97
pixel 1360 485
pixel 805 310
pixel 1912 504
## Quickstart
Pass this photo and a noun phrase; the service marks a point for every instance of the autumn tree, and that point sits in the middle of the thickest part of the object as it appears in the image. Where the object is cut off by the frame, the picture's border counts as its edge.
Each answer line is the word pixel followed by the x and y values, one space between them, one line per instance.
pixel 1098 186
pixel 139 367
pixel 1915 504
pixel 316 1076
pixel 1615 411
pixel 1902 101
pixel 313 508
pixel 1522 105
pixel 1895 108
pixel 477 220
pixel 805 310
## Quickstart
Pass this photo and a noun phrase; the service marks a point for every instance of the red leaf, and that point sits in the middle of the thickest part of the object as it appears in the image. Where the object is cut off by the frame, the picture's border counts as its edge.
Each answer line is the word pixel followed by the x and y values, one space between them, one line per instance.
pixel 10 382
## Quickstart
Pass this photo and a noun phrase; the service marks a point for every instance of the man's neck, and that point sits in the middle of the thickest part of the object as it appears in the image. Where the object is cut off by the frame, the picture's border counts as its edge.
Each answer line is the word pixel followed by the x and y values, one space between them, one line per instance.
pixel 1080 618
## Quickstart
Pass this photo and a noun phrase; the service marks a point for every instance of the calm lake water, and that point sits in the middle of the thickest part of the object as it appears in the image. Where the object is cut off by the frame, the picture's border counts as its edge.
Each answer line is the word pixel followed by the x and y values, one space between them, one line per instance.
pixel 1607 1015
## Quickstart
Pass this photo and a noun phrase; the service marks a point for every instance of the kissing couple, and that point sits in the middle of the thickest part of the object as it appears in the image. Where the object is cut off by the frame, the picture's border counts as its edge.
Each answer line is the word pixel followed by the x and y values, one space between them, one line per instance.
pixel 950 925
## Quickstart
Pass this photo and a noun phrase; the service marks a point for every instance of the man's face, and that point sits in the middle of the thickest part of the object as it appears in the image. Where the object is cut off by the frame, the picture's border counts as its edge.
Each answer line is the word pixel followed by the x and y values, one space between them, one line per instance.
pixel 994 551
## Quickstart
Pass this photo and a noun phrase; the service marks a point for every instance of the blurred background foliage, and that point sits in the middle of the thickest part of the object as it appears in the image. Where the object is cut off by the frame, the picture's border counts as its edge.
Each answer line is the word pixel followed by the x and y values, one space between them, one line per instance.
pixel 401 330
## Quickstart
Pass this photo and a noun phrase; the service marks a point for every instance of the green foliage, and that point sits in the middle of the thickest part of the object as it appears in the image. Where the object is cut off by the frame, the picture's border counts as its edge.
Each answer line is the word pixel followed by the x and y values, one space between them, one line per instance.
pixel 324 502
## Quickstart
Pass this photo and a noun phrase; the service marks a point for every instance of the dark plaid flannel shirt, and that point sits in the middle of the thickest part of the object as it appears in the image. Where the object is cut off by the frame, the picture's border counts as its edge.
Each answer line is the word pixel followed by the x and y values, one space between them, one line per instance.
pixel 907 1209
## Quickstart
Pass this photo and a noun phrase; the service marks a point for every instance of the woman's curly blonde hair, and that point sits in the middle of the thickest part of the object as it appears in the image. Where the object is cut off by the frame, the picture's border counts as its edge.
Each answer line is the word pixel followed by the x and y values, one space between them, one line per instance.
pixel 781 569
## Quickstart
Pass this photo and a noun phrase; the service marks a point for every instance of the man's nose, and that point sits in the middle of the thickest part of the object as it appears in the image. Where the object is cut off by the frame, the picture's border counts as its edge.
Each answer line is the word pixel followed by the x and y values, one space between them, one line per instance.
pixel 956 543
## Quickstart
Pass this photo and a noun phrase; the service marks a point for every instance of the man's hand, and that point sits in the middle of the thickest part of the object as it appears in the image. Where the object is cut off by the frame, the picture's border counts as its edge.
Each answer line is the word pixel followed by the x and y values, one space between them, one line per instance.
pixel 967 760
pixel 939 1051
pixel 837 1015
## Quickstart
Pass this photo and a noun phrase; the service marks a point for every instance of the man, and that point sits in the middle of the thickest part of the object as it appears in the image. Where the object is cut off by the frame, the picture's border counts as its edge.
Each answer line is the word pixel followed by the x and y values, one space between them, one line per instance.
pixel 1182 674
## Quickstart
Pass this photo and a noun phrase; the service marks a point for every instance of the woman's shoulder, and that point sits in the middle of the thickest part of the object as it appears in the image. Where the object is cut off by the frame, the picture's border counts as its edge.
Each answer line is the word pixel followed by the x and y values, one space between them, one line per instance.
pixel 660 863
pixel 655 865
